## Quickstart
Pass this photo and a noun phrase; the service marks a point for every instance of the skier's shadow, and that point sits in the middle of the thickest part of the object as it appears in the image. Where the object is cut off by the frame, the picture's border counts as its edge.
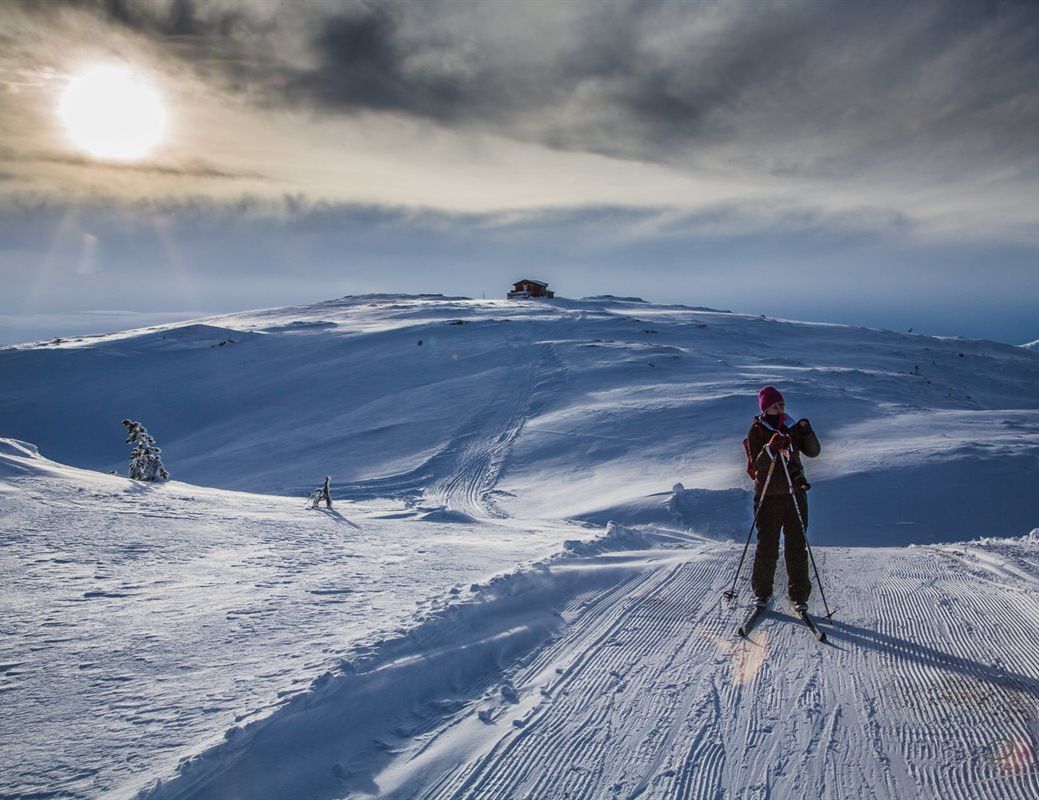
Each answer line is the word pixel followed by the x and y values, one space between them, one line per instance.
pixel 927 656
pixel 331 512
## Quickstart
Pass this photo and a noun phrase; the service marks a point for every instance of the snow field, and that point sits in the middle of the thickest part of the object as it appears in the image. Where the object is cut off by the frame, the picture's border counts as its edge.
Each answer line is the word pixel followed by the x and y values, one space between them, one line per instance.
pixel 629 682
pixel 365 651
pixel 560 410
pixel 648 695
pixel 141 622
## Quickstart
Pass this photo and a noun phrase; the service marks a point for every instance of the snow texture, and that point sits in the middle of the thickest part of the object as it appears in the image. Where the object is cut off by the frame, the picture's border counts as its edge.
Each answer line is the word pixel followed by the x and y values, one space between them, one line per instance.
pixel 517 592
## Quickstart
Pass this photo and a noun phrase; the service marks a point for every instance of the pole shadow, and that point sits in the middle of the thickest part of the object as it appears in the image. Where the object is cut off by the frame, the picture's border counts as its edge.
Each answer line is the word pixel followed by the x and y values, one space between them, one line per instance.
pixel 331 512
pixel 927 656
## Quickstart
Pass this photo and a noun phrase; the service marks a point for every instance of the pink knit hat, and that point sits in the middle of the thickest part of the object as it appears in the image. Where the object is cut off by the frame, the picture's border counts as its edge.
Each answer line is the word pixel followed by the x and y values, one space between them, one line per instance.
pixel 767 396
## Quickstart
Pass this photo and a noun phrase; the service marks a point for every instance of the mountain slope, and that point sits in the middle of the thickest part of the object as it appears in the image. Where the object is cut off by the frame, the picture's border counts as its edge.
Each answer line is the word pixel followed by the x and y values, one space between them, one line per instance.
pixel 554 410
pixel 142 621
pixel 459 624
pixel 283 652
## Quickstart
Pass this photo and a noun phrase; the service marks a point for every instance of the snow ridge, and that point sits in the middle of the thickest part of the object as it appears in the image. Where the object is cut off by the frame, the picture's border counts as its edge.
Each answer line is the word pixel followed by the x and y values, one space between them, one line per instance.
pixel 331 738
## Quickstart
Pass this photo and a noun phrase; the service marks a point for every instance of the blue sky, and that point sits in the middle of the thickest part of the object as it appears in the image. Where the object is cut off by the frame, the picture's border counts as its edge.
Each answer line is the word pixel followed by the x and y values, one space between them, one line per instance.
pixel 870 163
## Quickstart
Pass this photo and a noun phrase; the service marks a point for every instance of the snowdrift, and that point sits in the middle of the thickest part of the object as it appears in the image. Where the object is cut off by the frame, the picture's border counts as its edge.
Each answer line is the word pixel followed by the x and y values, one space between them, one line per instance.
pixel 143 621
pixel 335 737
pixel 568 409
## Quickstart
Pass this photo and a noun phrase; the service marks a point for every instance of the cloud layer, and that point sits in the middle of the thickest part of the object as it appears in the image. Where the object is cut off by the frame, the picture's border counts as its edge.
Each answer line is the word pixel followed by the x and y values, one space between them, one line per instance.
pixel 921 112
pixel 376 144
pixel 650 80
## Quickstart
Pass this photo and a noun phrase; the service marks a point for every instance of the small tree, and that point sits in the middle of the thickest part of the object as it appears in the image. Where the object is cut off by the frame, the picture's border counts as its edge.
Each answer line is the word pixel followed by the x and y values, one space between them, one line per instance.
pixel 145 462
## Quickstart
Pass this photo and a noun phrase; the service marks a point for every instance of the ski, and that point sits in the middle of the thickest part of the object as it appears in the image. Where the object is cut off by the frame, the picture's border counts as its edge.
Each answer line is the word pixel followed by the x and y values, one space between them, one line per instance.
pixel 744 629
pixel 807 620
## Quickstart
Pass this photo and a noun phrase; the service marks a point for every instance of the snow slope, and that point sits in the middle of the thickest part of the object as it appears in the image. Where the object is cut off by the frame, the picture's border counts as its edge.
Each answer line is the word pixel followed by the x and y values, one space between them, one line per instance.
pixel 556 410
pixel 464 622
pixel 142 621
pixel 284 652
pixel 928 688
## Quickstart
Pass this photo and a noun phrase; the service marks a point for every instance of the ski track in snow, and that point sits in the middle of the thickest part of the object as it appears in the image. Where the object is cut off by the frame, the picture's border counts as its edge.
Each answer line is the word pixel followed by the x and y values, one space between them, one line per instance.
pixel 461 476
pixel 645 692
pixel 483 448
pixel 650 696
pixel 288 654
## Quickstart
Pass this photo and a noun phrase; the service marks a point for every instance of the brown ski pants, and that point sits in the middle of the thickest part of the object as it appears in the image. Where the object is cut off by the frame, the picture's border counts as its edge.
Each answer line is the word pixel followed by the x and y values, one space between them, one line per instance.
pixel 777 515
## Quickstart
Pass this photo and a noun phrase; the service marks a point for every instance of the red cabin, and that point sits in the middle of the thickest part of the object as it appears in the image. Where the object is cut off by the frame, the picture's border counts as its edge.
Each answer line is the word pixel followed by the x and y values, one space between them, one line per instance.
pixel 523 289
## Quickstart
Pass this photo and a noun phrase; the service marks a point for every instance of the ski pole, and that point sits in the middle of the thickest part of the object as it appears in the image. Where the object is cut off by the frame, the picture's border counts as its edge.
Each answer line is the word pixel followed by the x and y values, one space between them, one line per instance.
pixel 804 530
pixel 731 594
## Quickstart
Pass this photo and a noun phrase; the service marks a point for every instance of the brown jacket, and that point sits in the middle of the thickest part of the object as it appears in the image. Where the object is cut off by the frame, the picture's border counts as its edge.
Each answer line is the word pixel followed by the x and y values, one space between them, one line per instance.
pixel 801 441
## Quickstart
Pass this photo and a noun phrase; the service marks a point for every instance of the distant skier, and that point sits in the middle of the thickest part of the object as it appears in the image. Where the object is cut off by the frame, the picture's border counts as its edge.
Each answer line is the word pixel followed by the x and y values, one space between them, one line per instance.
pixel 775 435
pixel 326 492
pixel 322 495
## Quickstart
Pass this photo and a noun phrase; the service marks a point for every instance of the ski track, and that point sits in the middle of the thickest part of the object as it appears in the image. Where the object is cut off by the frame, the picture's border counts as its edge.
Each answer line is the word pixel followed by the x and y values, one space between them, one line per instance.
pixel 462 475
pixel 649 694
pixel 958 682
pixel 481 451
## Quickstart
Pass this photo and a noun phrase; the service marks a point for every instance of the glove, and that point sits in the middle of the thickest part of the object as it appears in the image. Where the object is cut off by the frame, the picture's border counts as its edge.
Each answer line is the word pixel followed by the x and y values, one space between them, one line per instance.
pixel 803 427
pixel 779 441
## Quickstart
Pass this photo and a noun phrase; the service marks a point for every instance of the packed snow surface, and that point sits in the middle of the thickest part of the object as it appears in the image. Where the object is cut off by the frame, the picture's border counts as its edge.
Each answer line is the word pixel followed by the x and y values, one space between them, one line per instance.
pixel 466 621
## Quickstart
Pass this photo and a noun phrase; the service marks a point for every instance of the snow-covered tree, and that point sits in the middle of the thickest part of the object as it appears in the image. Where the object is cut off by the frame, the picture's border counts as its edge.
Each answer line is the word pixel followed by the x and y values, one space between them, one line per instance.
pixel 145 461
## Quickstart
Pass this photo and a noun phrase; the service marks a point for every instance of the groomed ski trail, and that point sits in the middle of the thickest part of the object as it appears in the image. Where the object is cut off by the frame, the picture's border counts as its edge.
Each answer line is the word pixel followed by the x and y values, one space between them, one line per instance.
pixel 648 694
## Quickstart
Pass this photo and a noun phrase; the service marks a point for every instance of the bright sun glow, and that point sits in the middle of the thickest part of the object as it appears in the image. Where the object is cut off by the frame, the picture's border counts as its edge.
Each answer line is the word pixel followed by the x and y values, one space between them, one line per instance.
pixel 112 113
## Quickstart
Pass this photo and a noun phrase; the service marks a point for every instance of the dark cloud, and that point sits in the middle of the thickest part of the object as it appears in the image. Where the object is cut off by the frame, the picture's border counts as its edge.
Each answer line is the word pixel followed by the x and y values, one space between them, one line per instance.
pixel 361 67
pixel 165 18
pixel 877 114
pixel 820 86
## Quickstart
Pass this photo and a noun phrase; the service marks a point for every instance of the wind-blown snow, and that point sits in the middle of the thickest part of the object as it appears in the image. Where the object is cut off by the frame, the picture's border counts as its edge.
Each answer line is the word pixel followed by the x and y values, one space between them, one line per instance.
pixel 565 409
pixel 144 619
pixel 371 651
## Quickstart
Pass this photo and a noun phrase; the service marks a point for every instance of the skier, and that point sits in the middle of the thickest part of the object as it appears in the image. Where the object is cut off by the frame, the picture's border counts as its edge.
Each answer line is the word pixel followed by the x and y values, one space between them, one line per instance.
pixel 774 435
pixel 324 494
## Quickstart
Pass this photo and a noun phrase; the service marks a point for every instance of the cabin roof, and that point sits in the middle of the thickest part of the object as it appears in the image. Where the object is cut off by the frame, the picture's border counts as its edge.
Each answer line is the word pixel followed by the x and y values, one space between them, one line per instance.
pixel 529 280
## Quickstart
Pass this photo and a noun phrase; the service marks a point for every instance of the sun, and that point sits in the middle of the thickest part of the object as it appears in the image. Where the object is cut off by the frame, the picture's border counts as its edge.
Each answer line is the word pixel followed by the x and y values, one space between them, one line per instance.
pixel 113 113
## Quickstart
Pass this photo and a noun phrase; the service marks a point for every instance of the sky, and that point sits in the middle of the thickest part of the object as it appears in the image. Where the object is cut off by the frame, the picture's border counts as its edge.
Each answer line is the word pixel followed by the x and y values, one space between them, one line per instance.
pixel 874 163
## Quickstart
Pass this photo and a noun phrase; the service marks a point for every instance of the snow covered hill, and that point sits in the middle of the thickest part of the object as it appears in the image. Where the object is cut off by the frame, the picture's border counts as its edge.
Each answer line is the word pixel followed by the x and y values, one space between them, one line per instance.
pixel 354 654
pixel 142 621
pixel 464 622
pixel 584 409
